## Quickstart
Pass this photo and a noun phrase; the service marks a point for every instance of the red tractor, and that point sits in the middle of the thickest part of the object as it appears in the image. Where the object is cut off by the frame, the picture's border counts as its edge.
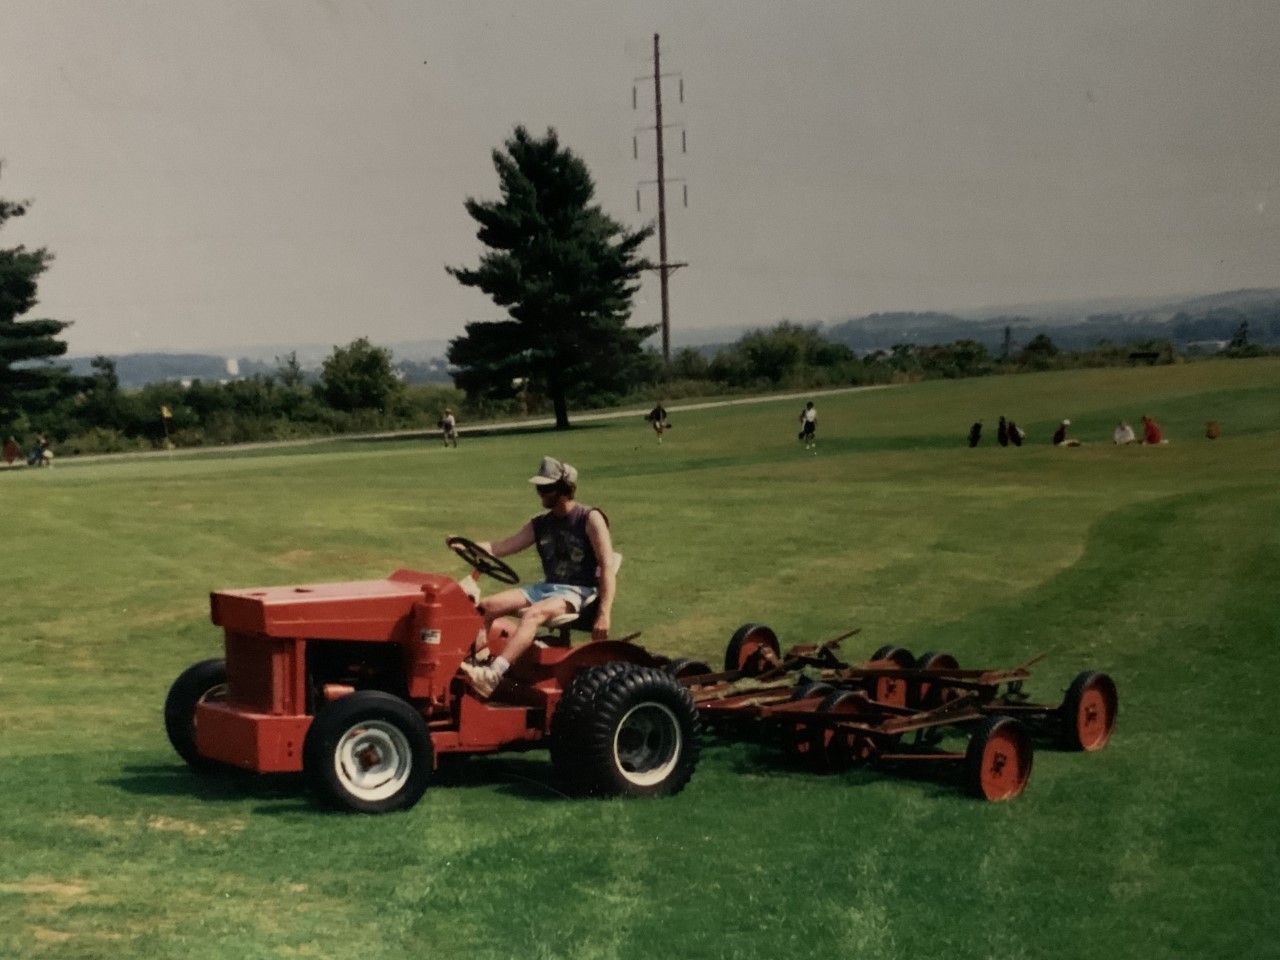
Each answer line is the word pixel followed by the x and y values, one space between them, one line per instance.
pixel 356 685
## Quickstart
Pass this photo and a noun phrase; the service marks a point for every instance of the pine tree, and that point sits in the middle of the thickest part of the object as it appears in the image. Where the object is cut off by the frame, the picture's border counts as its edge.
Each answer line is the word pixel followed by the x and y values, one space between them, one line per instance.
pixel 564 271
pixel 27 385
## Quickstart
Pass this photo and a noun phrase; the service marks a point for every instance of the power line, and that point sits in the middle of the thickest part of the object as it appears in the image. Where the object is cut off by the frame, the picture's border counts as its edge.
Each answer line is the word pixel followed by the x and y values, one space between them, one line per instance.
pixel 664 267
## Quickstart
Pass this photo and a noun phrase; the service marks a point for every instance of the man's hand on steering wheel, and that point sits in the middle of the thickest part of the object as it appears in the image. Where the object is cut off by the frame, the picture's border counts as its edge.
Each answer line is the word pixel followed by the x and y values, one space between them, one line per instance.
pixel 481 559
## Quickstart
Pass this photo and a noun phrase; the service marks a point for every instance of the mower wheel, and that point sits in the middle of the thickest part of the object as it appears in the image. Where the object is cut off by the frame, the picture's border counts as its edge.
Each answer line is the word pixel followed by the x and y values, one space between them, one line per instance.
pixel 369 752
pixel 891 690
pixel 928 694
pixel 746 649
pixel 687 667
pixel 835 750
pixel 899 655
pixel 1088 712
pixel 569 725
pixel 808 689
pixel 200 682
pixel 997 764
pixel 643 736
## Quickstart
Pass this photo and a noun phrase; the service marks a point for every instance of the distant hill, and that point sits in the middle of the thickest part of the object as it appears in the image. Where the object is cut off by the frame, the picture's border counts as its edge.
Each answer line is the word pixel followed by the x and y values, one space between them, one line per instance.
pixel 1072 324
pixel 1077 324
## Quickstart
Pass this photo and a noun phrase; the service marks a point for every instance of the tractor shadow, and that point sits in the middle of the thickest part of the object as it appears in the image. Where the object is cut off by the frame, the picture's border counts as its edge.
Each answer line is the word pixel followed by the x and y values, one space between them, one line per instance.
pixel 528 778
pixel 226 785
pixel 282 793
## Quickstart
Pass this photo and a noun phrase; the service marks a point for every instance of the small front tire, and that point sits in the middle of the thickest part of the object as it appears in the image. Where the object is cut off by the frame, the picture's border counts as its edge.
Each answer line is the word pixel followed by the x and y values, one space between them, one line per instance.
pixel 368 752
pixel 199 683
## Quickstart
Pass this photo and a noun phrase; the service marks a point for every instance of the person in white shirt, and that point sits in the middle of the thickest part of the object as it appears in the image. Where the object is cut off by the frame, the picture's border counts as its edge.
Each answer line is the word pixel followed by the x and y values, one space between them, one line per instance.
pixel 449 428
pixel 809 427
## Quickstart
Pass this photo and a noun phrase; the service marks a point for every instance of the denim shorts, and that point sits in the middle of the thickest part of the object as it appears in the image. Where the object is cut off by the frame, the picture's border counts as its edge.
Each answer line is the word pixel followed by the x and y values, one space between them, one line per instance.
pixel 577 597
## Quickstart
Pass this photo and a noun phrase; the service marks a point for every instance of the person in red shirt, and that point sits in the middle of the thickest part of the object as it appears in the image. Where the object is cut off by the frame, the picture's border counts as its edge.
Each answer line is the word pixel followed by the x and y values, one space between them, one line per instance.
pixel 1151 431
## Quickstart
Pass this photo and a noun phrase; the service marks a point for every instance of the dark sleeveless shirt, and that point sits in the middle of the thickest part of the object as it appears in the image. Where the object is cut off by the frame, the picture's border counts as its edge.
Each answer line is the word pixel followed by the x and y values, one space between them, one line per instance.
pixel 565 549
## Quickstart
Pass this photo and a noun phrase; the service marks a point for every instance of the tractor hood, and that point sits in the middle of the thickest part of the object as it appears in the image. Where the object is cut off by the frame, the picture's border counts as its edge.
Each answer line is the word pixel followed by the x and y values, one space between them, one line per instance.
pixel 375 610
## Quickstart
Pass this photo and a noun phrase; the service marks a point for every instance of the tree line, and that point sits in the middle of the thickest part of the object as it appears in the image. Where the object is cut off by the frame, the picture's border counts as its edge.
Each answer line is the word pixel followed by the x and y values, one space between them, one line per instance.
pixel 564 273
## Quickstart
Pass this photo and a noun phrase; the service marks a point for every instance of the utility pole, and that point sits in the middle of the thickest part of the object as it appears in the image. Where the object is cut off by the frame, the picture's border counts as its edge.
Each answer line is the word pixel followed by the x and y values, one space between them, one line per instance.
pixel 664 267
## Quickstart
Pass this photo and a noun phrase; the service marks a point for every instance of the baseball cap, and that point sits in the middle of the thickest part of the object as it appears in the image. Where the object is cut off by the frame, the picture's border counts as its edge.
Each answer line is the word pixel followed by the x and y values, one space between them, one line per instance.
pixel 552 470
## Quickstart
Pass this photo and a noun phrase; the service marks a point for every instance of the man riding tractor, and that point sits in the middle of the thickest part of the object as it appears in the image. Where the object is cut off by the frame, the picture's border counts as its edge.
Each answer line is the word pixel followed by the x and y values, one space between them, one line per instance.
pixel 578 565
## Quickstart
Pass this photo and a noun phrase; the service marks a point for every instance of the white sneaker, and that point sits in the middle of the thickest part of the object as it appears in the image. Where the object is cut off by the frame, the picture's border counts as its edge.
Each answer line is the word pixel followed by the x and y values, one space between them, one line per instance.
pixel 484 679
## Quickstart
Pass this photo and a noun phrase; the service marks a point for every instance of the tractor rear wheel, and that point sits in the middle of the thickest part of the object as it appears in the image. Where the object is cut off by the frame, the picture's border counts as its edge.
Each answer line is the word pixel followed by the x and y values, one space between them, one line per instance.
pixel 369 752
pixel 1088 712
pixel 997 764
pixel 640 737
pixel 199 683
pixel 569 725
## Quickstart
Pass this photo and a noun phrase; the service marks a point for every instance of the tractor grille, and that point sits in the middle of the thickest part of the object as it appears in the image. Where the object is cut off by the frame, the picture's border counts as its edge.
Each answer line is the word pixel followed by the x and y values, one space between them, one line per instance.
pixel 262 673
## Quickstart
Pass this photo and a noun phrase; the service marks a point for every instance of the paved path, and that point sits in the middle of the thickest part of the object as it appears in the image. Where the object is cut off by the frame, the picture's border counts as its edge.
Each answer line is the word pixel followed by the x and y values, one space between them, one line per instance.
pixel 479 428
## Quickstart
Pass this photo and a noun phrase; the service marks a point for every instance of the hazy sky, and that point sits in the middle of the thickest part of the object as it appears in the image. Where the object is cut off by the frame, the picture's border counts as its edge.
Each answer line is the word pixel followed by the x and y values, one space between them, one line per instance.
pixel 224 173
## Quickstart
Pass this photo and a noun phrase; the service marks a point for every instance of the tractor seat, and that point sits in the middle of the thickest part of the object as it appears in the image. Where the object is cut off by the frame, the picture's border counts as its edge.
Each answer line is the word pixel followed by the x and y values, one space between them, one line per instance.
pixel 584 619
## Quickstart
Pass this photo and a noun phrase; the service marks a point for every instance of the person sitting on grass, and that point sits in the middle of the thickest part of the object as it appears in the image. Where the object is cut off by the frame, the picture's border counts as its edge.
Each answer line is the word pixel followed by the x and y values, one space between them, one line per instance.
pixel 1016 434
pixel 1123 434
pixel 575 548
pixel 1151 432
pixel 1060 438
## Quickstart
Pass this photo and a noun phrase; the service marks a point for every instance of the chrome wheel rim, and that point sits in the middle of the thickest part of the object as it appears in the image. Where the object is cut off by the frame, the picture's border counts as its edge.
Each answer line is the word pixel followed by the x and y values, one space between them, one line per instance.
pixel 647 744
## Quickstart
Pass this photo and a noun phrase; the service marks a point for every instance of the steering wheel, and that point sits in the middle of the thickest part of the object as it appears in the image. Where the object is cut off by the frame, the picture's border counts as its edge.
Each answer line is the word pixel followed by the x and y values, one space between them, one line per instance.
pixel 482 560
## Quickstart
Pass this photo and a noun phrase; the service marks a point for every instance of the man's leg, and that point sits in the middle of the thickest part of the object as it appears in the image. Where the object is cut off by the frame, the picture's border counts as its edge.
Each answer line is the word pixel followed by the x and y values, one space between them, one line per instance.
pixel 499 605
pixel 485 679
pixel 533 617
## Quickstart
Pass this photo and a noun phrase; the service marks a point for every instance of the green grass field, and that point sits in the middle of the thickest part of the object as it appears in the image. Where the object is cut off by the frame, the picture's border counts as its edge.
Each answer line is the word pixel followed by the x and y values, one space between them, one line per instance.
pixel 1158 565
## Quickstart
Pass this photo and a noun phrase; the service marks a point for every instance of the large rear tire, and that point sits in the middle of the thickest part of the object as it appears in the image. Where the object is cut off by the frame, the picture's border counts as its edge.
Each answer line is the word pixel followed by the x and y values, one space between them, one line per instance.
pixel 569 725
pixel 368 752
pixel 640 737
pixel 200 682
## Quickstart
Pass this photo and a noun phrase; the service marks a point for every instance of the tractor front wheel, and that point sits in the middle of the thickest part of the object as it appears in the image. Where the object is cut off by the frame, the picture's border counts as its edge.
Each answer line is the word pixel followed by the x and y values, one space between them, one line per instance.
pixel 369 752
pixel 200 682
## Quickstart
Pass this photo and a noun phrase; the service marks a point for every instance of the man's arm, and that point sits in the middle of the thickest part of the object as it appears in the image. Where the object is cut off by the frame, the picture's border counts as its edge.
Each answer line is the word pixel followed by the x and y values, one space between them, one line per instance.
pixel 602 544
pixel 520 540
